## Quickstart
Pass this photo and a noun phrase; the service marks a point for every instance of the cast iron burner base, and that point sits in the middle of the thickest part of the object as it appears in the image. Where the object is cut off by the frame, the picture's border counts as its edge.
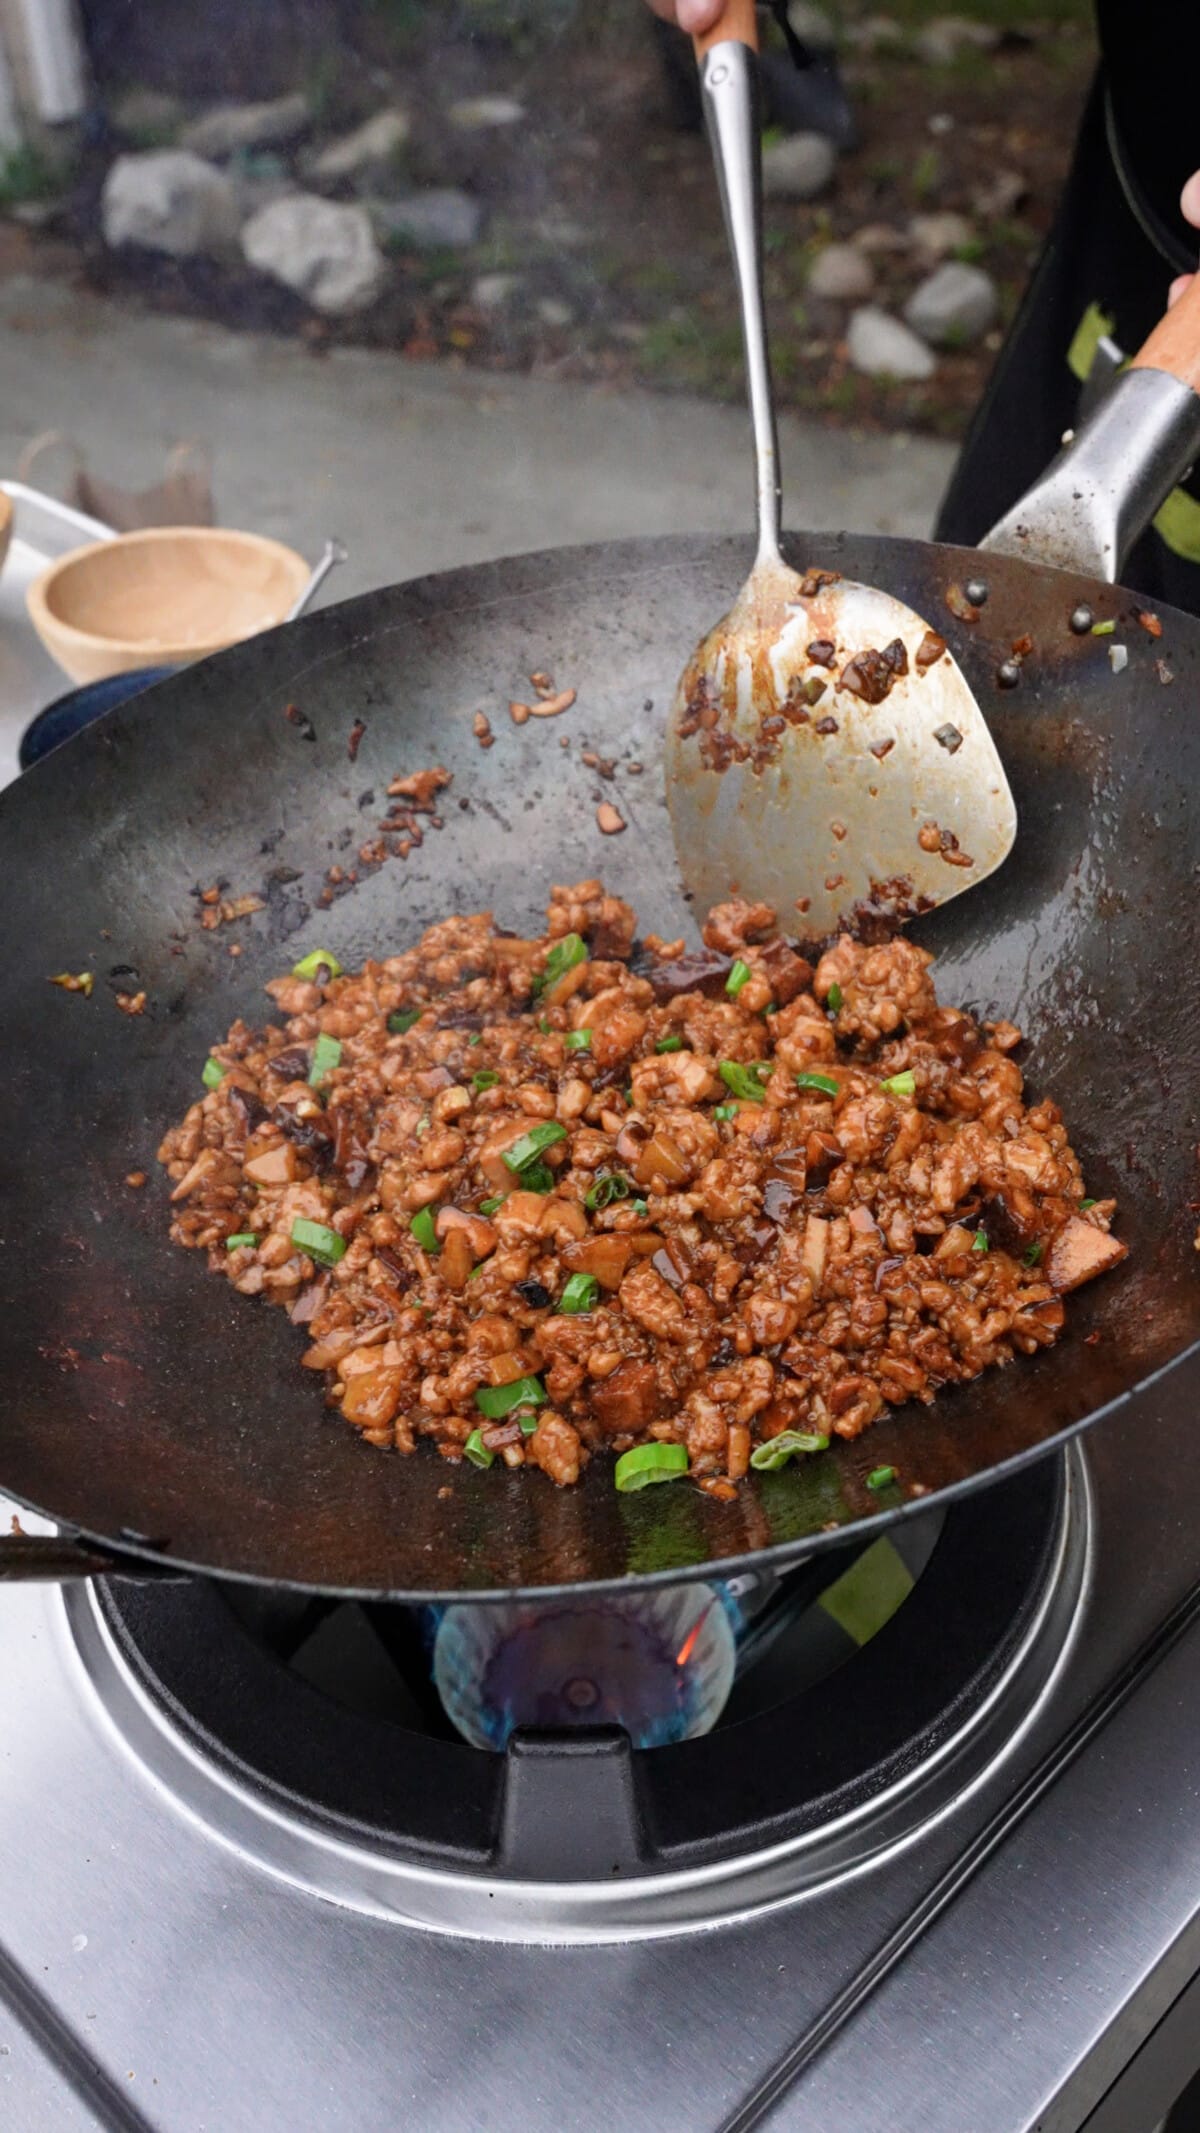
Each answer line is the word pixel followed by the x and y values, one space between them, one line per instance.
pixel 575 1837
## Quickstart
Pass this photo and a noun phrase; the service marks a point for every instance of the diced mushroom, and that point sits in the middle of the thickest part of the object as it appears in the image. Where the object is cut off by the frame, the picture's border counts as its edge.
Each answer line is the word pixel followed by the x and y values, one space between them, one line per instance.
pixel 1080 1252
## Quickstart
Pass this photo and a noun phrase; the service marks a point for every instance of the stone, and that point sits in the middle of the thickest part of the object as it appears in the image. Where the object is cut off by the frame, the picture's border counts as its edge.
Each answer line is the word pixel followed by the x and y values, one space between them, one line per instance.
pixel 371 146
pixel 490 292
pixel 229 128
pixel 812 26
pixel 875 237
pixel 433 221
pixel 479 114
pixel 842 273
pixel 999 195
pixel 148 116
pixel 327 253
pixel 947 37
pixel 883 347
pixel 936 236
pixel 553 312
pixel 169 201
pixel 876 33
pixel 953 306
pixel 798 167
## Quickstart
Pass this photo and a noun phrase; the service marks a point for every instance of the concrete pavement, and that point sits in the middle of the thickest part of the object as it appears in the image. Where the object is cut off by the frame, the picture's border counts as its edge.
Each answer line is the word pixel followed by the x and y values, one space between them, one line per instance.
pixel 417 466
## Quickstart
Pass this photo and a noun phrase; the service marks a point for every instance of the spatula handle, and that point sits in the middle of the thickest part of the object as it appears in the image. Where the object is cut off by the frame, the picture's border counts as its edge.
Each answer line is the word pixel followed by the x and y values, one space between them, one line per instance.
pixel 1174 344
pixel 730 100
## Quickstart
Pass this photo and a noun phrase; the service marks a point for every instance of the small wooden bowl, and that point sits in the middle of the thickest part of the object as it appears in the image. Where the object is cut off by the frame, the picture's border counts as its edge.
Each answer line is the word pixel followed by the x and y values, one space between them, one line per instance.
pixel 162 597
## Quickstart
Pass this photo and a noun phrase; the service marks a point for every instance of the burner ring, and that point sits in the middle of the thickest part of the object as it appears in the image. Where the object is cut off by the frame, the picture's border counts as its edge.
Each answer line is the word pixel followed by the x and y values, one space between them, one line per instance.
pixel 577 1840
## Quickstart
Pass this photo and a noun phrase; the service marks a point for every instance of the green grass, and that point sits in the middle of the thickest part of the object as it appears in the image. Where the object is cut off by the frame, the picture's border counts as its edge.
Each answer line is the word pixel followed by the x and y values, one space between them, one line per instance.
pixel 27 174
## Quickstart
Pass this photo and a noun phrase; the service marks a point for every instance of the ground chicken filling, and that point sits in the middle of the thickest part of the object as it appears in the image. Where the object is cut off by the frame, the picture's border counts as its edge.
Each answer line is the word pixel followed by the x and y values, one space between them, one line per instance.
pixel 538 1199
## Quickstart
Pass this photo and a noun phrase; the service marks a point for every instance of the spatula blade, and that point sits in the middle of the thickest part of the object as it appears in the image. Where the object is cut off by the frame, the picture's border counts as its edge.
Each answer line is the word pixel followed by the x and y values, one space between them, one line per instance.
pixel 787 782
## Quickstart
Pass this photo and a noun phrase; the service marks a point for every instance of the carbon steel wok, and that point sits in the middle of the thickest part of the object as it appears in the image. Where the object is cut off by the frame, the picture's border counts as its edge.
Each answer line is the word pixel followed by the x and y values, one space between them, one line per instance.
pixel 165 1419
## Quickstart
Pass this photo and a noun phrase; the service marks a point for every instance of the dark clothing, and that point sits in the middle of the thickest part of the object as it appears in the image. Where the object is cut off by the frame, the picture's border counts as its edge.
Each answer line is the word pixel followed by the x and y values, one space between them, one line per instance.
pixel 1117 241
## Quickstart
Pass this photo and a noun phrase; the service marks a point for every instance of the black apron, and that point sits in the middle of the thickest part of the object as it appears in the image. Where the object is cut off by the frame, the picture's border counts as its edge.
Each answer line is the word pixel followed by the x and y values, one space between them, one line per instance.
pixel 1118 241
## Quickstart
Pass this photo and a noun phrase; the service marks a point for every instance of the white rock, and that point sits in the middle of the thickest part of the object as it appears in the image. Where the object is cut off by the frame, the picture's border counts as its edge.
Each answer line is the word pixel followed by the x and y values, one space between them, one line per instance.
pixel 476 114
pixel 842 273
pixel 812 25
pixel 325 252
pixel 999 195
pixel 798 167
pixel 376 142
pixel 434 220
pixel 874 34
pixel 937 235
pixel 229 127
pixel 169 201
pixel 553 312
pixel 953 306
pixel 490 292
pixel 943 39
pixel 881 347
pixel 880 237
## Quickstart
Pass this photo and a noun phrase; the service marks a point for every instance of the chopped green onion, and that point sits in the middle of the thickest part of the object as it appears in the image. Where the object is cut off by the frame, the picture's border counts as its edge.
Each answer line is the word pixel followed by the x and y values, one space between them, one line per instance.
pixel 741 1081
pixel 327 1054
pixel 537 1177
pixel 980 1242
pixel 424 1229
pixel 640 1207
pixel 771 1008
pixel 577 1040
pixel 1084 1206
pixel 833 998
pixel 322 1244
pixel 739 975
pixel 403 1020
pixel 543 1025
pixel 881 1478
pixel 317 959
pixel 212 1073
pixel 562 957
pixel 244 1236
pixel 647 1463
pixel 1034 1254
pixel 422 1127
pixel 1103 629
pixel 608 1187
pixel 579 1294
pixel 496 1400
pixel 476 1450
pixel 528 1424
pixel 529 1147
pixel 477 1038
pixel 823 1083
pixel 724 1111
pixel 488 1207
pixel 669 1044
pixel 900 1084
pixel 776 1451
pixel 476 1271
pixel 486 1078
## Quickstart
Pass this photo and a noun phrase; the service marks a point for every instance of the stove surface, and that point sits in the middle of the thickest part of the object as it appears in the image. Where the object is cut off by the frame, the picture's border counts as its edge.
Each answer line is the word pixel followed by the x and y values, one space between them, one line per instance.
pixel 998 1968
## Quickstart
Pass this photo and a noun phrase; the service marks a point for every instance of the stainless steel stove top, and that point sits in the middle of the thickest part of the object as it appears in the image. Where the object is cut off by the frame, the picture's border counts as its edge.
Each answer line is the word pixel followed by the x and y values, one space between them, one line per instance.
pixel 999 1968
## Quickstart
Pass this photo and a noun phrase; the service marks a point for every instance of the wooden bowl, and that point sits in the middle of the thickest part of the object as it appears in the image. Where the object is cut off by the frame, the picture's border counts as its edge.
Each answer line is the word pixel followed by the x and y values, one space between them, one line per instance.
pixel 6 525
pixel 162 597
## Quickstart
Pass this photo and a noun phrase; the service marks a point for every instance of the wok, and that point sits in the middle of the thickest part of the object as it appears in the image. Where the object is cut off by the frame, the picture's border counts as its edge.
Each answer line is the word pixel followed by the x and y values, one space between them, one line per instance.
pixel 165 1420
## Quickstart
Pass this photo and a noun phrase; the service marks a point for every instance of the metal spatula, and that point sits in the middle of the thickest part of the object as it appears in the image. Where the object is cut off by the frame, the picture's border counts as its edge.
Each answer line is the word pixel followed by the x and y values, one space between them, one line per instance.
pixel 824 749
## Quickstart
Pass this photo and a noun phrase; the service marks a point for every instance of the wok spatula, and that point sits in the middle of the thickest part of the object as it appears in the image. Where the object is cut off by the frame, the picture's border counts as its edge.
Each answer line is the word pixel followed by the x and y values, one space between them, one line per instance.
pixel 824 749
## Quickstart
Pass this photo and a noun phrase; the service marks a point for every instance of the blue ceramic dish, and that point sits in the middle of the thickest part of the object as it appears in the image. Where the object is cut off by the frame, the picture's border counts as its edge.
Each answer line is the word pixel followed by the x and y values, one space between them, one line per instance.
pixel 69 714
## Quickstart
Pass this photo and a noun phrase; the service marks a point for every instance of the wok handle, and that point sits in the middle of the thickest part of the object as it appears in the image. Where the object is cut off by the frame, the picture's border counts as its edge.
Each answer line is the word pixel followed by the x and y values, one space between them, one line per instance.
pixel 1123 461
pixel 54 1558
pixel 729 97
pixel 738 20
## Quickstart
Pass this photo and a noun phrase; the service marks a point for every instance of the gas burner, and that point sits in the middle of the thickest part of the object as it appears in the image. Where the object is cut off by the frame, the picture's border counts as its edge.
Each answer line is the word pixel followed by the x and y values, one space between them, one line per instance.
pixel 830 1753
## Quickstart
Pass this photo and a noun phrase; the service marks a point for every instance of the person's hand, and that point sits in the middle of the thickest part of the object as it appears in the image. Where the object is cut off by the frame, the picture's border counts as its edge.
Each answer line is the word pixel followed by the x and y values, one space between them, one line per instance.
pixel 694 16
pixel 1189 201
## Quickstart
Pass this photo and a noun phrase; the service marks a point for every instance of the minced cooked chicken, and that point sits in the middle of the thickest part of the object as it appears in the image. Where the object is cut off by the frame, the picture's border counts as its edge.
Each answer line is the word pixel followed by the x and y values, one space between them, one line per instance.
pixel 696 1200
